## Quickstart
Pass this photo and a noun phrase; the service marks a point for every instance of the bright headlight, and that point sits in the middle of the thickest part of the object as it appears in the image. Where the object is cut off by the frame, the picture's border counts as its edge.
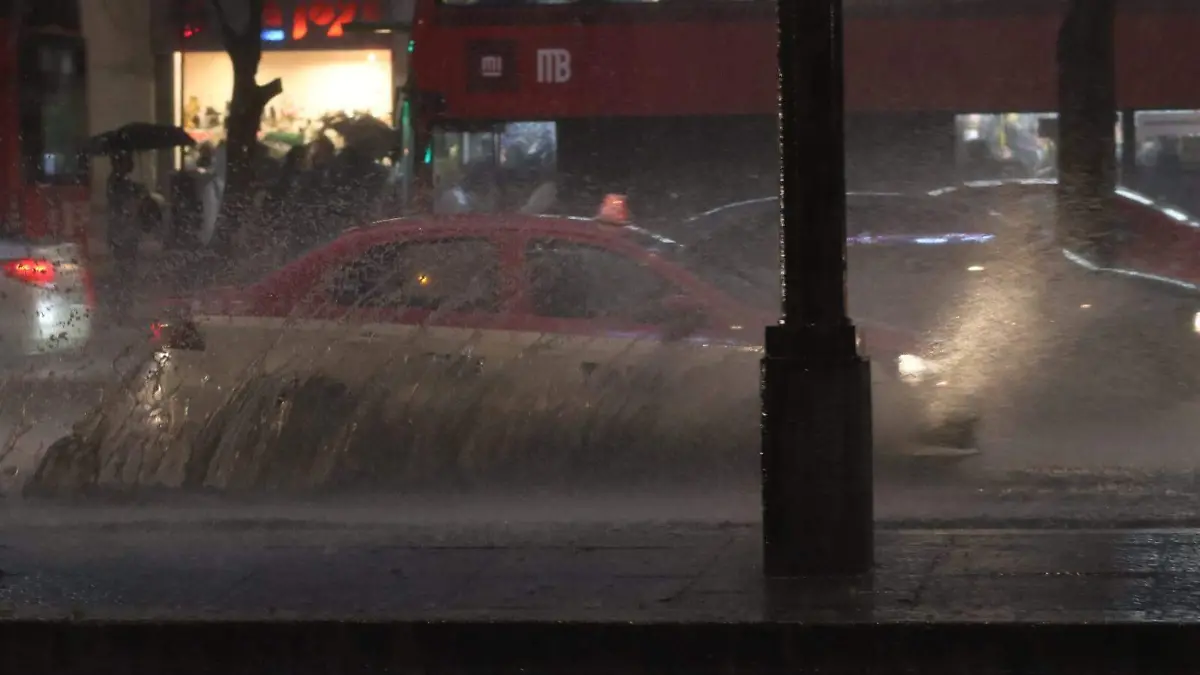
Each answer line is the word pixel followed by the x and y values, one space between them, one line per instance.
pixel 913 368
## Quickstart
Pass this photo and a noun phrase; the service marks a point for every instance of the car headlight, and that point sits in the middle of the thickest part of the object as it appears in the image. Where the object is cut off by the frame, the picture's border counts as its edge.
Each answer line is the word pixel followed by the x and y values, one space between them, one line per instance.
pixel 914 369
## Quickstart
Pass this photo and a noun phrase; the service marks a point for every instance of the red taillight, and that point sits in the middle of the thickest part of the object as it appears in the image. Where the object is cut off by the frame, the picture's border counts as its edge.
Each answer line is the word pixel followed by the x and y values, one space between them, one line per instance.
pixel 30 271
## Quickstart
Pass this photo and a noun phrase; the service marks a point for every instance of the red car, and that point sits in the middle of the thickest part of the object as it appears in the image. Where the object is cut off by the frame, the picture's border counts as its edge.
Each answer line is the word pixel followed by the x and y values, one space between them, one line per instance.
pixel 556 309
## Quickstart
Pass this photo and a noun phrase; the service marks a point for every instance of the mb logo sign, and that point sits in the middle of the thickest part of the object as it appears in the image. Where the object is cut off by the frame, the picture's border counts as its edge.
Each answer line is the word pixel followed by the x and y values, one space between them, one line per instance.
pixel 553 66
pixel 491 67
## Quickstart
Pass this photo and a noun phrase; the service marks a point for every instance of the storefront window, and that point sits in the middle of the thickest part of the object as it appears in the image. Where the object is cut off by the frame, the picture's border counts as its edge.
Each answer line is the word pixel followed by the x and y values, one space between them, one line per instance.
pixel 321 90
pixel 54 110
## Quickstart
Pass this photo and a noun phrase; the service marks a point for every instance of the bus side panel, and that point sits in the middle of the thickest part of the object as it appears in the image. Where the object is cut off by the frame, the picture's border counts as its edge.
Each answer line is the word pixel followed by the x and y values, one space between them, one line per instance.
pixel 10 151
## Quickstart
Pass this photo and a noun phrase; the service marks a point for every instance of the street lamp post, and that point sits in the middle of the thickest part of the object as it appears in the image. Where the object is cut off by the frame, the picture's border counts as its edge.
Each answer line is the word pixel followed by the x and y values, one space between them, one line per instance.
pixel 1087 102
pixel 816 427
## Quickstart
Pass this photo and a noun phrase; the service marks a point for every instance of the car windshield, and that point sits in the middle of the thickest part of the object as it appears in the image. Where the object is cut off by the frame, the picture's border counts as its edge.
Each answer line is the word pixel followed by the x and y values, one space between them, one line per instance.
pixel 737 249
pixel 1167 208
pixel 745 285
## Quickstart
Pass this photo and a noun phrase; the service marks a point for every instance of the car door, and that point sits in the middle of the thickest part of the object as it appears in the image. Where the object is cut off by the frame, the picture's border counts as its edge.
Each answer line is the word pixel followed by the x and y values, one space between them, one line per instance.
pixel 602 316
pixel 1172 241
pixel 742 237
pixel 1151 240
pixel 424 306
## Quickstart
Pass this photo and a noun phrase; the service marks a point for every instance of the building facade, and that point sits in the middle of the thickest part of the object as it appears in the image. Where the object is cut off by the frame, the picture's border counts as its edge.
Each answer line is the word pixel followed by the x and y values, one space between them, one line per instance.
pixel 121 72
pixel 163 61
pixel 342 58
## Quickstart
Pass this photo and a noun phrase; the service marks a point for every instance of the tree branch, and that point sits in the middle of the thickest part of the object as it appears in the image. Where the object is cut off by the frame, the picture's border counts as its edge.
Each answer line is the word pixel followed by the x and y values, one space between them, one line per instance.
pixel 270 90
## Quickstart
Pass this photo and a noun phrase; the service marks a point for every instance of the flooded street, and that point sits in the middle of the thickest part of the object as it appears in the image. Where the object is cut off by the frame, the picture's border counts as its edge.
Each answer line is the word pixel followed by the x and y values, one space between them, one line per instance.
pixel 1095 472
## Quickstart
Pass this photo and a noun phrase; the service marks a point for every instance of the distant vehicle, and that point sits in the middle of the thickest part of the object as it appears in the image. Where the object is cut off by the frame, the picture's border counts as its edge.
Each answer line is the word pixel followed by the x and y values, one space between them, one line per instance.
pixel 45 300
pixel 1156 240
pixel 580 304
pixel 976 271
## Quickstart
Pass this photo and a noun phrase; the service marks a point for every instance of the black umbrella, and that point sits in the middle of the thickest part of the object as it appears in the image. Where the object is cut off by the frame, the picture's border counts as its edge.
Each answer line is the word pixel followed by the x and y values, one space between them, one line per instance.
pixel 138 137
pixel 366 133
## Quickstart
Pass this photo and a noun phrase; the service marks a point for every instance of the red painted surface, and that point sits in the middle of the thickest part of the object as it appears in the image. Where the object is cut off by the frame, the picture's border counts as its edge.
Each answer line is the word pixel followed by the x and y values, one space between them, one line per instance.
pixel 293 292
pixel 1160 244
pixel 61 213
pixel 10 147
pixel 692 66
pixel 56 212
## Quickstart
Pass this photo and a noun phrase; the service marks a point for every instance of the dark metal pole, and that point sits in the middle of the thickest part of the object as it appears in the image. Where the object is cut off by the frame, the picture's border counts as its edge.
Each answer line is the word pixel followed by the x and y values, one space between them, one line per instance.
pixel 816 434
pixel 1087 108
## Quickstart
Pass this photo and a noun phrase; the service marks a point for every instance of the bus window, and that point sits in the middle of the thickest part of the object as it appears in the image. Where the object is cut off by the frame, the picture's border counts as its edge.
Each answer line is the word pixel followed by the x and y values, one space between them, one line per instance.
pixel 457 153
pixel 496 169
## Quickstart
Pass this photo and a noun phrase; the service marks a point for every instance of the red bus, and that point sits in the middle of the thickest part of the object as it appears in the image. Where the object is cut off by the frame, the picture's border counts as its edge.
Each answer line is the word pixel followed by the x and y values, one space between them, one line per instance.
pixel 676 100
pixel 44 176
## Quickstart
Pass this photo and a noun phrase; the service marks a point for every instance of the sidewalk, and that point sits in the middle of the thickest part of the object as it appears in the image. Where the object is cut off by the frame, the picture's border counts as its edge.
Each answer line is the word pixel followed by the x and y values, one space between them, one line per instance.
pixel 641 573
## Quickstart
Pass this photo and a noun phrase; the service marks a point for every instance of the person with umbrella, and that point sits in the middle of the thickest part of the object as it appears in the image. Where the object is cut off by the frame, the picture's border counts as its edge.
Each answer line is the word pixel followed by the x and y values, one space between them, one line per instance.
pixel 124 197
pixel 128 201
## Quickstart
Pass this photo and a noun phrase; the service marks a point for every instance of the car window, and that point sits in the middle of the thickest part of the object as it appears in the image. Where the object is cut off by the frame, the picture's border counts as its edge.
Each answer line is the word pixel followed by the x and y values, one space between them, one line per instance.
pixel 743 242
pixel 448 274
pixel 742 235
pixel 569 280
pixel 744 280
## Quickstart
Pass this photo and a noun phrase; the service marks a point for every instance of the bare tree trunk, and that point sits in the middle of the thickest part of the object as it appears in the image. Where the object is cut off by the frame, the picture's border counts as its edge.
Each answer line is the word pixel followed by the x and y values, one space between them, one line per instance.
pixel 19 8
pixel 244 45
pixel 1087 125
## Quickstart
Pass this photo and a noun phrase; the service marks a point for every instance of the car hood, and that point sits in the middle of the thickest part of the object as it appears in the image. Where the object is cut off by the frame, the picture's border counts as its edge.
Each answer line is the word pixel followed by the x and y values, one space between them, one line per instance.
pixel 1004 292
pixel 910 291
pixel 875 338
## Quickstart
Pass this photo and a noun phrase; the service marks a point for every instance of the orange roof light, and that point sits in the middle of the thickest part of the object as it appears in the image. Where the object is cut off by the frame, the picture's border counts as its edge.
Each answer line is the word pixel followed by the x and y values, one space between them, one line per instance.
pixel 614 210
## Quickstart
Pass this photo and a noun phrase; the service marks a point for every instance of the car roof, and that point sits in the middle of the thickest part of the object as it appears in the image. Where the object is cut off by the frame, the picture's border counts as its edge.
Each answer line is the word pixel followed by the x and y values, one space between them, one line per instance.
pixel 854 195
pixel 958 190
pixel 1024 184
pixel 397 230
pixel 485 223
pixel 1045 184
